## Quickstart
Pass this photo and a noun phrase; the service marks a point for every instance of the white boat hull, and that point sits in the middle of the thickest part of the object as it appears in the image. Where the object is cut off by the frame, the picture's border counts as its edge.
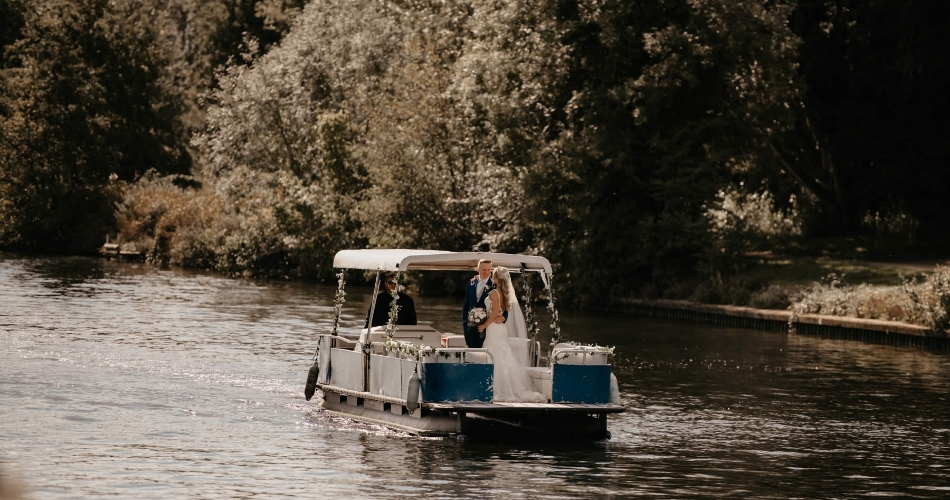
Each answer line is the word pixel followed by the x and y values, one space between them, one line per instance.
pixel 479 420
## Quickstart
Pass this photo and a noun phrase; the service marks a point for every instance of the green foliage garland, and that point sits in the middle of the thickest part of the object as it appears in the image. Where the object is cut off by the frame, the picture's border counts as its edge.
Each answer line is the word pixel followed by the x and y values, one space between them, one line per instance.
pixel 531 321
pixel 555 320
pixel 338 301
pixel 393 311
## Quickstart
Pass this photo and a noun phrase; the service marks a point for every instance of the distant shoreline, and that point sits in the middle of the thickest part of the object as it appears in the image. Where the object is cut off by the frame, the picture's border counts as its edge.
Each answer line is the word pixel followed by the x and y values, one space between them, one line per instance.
pixel 869 330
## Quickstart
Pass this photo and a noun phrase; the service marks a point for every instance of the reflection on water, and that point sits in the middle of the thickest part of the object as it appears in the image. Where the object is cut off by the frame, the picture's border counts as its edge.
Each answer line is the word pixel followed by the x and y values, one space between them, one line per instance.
pixel 122 379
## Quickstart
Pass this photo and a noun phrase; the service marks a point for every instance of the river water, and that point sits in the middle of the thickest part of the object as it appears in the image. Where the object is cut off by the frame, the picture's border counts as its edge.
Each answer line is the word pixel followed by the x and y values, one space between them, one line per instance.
pixel 125 380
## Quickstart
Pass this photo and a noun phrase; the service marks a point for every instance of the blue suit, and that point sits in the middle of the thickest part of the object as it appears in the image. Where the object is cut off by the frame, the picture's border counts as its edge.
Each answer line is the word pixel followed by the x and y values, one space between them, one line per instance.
pixel 474 338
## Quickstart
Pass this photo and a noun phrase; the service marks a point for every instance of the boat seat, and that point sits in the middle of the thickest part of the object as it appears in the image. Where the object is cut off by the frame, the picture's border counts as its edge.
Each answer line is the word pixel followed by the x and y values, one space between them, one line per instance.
pixel 477 357
pixel 542 379
pixel 453 340
pixel 540 372
pixel 520 347
pixel 416 334
pixel 375 348
pixel 569 354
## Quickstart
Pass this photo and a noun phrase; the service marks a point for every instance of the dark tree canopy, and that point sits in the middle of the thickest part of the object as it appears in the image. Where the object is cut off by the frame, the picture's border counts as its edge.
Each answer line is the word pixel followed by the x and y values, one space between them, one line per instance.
pixel 82 100
pixel 96 87
pixel 605 135
pixel 869 131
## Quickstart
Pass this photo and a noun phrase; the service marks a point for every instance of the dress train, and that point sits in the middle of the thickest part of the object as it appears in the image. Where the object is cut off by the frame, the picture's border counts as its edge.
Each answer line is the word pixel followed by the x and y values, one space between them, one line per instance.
pixel 511 380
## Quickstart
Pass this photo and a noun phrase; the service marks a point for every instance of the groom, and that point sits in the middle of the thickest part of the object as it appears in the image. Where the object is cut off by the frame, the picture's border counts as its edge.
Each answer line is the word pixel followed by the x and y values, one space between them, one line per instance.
pixel 475 294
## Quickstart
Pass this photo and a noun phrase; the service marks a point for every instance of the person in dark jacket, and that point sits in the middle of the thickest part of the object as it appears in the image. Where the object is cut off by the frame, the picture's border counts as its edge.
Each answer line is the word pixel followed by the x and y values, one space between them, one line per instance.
pixel 407 309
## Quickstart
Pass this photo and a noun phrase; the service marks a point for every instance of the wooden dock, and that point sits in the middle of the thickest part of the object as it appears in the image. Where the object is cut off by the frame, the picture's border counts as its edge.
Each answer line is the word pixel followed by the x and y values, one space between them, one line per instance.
pixel 113 249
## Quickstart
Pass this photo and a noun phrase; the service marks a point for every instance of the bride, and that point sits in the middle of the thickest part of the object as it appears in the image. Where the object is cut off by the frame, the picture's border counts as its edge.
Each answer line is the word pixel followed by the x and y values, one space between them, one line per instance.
pixel 511 379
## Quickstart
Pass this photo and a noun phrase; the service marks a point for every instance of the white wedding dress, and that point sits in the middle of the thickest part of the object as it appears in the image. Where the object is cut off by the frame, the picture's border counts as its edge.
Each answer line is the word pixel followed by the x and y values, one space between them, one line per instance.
pixel 511 380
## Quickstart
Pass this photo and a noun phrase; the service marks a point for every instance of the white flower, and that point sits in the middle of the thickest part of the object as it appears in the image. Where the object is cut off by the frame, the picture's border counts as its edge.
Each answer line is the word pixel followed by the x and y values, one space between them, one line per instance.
pixel 589 349
pixel 407 348
pixel 477 316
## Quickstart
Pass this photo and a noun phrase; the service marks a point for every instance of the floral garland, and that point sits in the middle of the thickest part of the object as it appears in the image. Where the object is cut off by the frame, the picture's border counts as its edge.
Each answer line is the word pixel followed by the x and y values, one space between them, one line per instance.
pixel 408 348
pixel 587 349
pixel 393 311
pixel 528 310
pixel 555 320
pixel 338 302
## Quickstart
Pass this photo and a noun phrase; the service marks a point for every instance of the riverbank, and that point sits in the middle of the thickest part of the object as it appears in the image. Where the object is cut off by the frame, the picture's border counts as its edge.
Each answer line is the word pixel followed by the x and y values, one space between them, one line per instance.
pixel 898 303
pixel 888 302
pixel 867 330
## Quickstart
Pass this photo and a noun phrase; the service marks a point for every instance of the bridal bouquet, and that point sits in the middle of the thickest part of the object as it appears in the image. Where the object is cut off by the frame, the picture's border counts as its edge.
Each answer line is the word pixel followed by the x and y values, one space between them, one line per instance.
pixel 477 316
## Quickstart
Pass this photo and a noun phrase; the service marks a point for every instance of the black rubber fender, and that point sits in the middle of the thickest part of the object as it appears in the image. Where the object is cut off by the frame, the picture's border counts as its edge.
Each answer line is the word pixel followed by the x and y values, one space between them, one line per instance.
pixel 412 392
pixel 311 386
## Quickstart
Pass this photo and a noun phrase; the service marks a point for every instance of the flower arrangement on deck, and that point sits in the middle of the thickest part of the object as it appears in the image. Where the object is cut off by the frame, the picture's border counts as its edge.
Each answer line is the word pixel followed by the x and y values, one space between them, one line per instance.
pixel 584 349
pixel 408 349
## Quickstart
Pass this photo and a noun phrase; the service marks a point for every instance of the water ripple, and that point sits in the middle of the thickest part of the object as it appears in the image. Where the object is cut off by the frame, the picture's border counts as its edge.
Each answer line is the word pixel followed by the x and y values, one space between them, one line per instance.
pixel 126 380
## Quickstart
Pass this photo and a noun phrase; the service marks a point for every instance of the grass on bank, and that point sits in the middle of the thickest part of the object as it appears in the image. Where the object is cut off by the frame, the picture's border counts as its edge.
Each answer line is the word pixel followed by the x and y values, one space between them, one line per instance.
pixel 838 278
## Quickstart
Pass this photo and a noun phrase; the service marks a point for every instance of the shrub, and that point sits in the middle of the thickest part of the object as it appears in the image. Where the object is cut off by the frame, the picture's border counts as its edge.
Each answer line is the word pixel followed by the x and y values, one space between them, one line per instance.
pixel 890 230
pixel 926 304
pixel 736 210
pixel 772 297
pixel 721 291
pixel 166 222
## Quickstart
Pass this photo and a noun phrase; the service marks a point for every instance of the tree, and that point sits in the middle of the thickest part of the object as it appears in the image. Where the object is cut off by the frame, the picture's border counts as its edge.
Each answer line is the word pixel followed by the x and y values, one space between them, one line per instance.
pixel 869 129
pixel 11 22
pixel 357 109
pixel 660 102
pixel 82 99
pixel 202 35
pixel 278 148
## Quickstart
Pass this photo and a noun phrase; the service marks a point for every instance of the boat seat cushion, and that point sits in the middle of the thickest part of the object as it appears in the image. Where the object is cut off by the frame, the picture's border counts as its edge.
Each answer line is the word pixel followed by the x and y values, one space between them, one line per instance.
pixel 567 354
pixel 477 357
pixel 416 334
pixel 541 380
pixel 540 372
pixel 453 340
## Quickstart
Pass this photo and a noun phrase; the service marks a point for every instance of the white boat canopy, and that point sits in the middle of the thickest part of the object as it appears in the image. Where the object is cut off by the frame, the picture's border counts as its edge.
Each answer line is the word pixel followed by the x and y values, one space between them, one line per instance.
pixel 402 260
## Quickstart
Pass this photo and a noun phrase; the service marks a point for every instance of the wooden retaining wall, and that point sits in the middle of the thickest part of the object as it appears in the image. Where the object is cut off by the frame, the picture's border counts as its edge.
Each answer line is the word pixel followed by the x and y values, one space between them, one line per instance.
pixel 865 330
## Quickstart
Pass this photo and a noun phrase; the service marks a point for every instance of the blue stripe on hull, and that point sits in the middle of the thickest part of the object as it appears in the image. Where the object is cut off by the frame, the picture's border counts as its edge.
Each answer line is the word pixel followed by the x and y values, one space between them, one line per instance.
pixel 456 382
pixel 581 384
